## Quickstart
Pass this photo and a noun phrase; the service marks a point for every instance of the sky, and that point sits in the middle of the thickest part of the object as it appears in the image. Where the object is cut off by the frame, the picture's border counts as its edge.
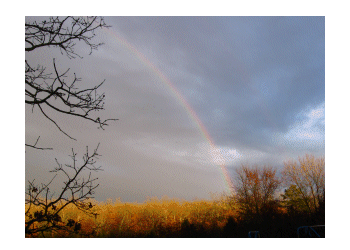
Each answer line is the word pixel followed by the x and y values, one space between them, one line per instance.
pixel 196 97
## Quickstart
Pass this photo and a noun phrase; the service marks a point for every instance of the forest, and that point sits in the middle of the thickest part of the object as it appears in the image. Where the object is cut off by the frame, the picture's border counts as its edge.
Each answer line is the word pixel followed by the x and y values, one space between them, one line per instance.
pixel 265 204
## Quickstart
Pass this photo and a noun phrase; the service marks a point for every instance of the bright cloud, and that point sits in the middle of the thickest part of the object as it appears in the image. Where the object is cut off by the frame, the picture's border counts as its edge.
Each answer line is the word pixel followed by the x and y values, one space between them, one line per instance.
pixel 224 155
pixel 310 126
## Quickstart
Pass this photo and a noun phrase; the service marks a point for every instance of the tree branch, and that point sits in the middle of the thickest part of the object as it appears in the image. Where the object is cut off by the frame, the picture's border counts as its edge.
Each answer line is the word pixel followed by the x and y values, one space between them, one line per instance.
pixel 53 89
pixel 76 191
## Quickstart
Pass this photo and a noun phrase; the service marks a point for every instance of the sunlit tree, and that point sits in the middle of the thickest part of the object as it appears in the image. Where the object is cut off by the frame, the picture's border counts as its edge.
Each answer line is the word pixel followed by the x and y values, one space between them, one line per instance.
pixel 293 200
pixel 307 177
pixel 255 188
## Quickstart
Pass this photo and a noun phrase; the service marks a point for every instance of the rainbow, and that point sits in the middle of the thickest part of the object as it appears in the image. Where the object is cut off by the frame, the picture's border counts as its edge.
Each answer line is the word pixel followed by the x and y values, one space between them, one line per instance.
pixel 191 113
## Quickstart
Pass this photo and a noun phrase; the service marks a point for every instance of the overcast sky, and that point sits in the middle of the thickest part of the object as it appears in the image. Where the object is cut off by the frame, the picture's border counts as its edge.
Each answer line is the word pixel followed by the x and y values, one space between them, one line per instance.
pixel 191 94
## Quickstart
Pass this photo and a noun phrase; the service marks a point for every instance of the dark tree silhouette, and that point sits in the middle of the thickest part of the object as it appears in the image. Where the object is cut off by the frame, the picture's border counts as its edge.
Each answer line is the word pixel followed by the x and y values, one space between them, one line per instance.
pixel 58 91
pixel 52 90
pixel 43 209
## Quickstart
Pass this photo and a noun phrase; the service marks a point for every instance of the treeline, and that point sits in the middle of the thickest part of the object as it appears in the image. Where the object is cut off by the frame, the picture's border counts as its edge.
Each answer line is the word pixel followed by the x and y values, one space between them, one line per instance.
pixel 264 208
pixel 265 203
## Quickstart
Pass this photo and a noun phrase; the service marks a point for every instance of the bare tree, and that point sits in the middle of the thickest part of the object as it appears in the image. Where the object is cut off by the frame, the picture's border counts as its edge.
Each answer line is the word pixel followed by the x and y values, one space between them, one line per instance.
pixel 52 90
pixel 308 177
pixel 59 91
pixel 76 191
pixel 255 188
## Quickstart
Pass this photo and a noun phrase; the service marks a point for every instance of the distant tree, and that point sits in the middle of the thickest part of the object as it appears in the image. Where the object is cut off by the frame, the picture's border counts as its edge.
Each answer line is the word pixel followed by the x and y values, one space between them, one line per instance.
pixel 292 199
pixel 307 179
pixel 255 189
pixel 57 91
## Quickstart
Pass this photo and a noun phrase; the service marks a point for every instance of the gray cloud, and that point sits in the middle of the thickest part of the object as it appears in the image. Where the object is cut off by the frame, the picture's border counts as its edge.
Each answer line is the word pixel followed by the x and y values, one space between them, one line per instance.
pixel 252 81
